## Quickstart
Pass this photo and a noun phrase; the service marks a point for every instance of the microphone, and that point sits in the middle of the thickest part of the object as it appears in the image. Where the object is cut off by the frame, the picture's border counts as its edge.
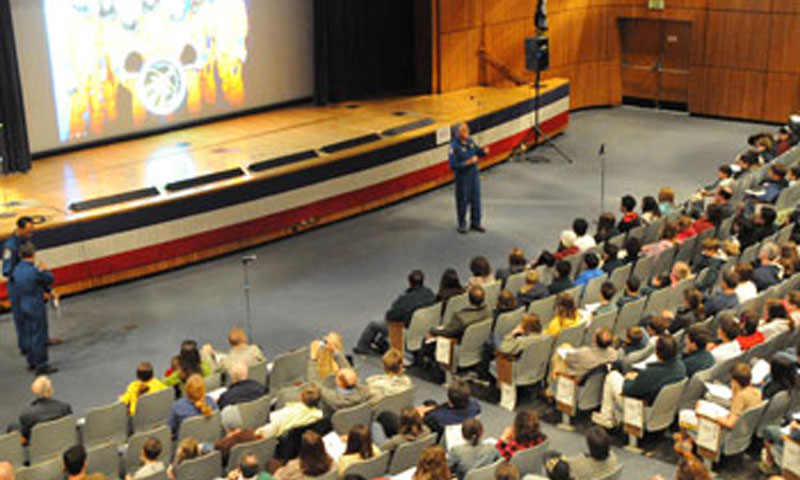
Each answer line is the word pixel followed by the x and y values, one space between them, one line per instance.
pixel 249 258
pixel 602 149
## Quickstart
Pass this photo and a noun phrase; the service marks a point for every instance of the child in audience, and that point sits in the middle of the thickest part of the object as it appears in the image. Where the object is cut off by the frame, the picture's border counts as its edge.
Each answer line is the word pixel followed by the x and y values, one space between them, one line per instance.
pixel 473 453
pixel 144 383
pixel 566 315
pixel 524 434
pixel 149 456
pixel 359 448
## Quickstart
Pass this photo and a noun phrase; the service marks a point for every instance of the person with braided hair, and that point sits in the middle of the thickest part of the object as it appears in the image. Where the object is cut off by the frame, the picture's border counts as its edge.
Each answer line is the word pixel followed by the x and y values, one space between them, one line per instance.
pixel 195 402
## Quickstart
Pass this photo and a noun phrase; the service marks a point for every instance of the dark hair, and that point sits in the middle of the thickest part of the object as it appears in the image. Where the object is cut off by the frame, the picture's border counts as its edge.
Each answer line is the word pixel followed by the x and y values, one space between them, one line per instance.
pixel 517 258
pixel 479 266
pixel 311 395
pixel 611 249
pixel 598 442
pixel 314 460
pixel 633 247
pixel 249 465
pixel 778 169
pixel 608 290
pixel 556 466
pixel 152 448
pixel 714 213
pixel 783 371
pixel 144 373
pixel 604 337
pixel 359 441
pixel 450 280
pixel 606 222
pixel 730 279
pixel 459 394
pixel 189 359
pixel 526 427
pixel 410 422
pixel 699 335
pixel 633 283
pixel 563 268
pixel 768 215
pixel 579 226
pixel 728 325
pixel 649 204
pixel 74 459
pixel 506 301
pixel 749 322
pixel 24 221
pixel 477 295
pixel 654 322
pixel 690 468
pixel 416 278
pixel 666 348
pixel 740 373
pixel 591 260
pixel 744 270
pixel 725 193
pixel 472 431
pixel 694 300
pixel 776 309
pixel 545 258
pixel 628 203
pixel 726 170
pixel 27 250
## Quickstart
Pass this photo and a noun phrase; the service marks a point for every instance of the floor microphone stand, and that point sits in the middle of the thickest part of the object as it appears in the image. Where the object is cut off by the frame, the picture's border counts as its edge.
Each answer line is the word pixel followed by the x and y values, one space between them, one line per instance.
pixel 246 260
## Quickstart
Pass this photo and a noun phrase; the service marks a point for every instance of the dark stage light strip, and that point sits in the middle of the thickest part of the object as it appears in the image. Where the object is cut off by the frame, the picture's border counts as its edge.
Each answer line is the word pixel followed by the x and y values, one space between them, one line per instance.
pixel 281 161
pixel 407 127
pixel 204 179
pixel 353 142
pixel 85 205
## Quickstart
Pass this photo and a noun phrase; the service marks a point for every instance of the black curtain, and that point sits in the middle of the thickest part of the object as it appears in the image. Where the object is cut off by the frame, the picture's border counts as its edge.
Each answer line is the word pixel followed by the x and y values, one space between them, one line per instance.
pixel 14 147
pixel 369 48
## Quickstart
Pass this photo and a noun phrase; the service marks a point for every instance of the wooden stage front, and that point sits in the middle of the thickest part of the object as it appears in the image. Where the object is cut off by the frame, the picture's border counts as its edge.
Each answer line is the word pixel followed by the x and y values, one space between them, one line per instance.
pixel 132 208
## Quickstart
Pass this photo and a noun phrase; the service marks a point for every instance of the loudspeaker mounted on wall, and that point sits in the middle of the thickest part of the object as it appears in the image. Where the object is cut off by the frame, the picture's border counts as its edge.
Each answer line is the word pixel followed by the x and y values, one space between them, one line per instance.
pixel 537 53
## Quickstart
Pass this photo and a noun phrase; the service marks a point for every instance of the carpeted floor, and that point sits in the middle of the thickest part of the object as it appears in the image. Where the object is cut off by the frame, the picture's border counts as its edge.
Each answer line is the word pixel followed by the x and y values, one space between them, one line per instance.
pixel 343 275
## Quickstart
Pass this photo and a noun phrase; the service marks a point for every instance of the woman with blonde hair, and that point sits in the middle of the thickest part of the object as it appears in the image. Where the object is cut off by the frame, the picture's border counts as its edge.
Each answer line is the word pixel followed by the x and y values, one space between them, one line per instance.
pixel 566 315
pixel 432 465
pixel 187 449
pixel 328 356
pixel 194 402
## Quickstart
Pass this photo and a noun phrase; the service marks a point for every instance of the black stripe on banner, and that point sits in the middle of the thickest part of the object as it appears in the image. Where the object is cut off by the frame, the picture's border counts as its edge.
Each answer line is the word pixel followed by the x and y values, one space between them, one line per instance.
pixel 85 205
pixel 204 179
pixel 351 143
pixel 407 127
pixel 281 161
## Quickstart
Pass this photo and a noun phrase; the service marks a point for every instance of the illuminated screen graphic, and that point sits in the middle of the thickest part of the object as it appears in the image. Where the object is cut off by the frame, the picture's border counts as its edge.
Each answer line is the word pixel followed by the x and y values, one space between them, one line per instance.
pixel 121 66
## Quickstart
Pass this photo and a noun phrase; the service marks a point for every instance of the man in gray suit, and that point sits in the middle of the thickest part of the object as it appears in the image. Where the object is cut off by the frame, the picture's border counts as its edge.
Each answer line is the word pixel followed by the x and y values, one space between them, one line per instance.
pixel 476 311
pixel 348 392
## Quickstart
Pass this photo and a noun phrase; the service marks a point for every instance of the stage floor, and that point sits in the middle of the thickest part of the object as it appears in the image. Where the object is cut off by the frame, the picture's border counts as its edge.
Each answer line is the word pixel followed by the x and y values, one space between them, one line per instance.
pixel 58 180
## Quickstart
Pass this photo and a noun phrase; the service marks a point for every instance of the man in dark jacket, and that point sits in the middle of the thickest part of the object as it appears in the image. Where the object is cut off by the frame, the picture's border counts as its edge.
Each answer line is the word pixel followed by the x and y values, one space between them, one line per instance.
pixel 767 273
pixel 373 339
pixel 756 227
pixel 476 311
pixel 33 285
pixel 241 389
pixel 695 357
pixel 726 298
pixel 459 407
pixel 562 281
pixel 43 409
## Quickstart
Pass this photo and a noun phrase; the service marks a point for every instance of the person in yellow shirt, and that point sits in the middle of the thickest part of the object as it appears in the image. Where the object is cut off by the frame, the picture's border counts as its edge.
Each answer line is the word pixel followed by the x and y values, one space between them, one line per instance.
pixel 566 315
pixel 144 383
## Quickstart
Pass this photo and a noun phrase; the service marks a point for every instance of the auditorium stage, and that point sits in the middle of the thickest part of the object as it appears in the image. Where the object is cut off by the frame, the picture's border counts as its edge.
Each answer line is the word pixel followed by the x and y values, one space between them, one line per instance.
pixel 133 208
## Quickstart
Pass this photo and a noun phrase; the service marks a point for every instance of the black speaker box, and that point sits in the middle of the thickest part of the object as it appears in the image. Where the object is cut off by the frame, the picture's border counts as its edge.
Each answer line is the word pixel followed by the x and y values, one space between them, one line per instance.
pixel 537 53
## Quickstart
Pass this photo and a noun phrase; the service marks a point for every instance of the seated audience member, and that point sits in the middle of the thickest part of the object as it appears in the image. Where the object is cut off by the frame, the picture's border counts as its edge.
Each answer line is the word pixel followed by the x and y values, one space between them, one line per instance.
pixel 772 186
pixel 782 376
pixel 347 393
pixel 473 453
pixel 240 351
pixel 789 259
pixel 506 471
pixel 749 336
pixel 235 433
pixel 374 338
pixel 7 471
pixel 650 211
pixel 793 175
pixel 528 331
pixel 74 459
pixel 459 406
pixel 695 356
pixel 392 431
pixel 793 307
pixel 327 357
pixel 605 305
pixel 630 219
pixel 565 315
pixel 393 380
pixel 726 298
pixel 583 240
pixel 774 441
pixel 359 447
pixel 481 272
pixel 477 310
pixel 668 239
pixel 631 293
pixel 746 289
pixel 710 255
pixel 756 227
pixel 632 251
pixel 606 228
pixel 556 467
pixel 611 258
pixel 151 451
pixel 195 402
pixel 546 261
pixel 783 140
pixel 145 383
pixel 743 397
pixel 592 270
pixel 516 264
pixel 188 449
pixel 680 272
pixel 636 338
pixel 432 465
pixel 449 286
pixel 241 388
pixel 295 414
pixel 44 407
pixel 562 280
pixel 643 385
pixel 723 197
pixel 524 434
pixel 506 302
pixel 662 280
pixel 724 179
pixel 249 469
pixel 599 461
pixel 189 363
pixel 566 245
pixel 688 313
pixel 666 201
pixel 769 272
pixel 313 460
pixel 712 219
pixel 777 321
pixel 533 289
pixel 727 331
pixel 579 361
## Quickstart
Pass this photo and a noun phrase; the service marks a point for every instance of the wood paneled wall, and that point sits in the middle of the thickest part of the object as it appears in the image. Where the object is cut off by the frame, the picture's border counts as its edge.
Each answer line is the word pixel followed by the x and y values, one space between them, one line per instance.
pixel 745 62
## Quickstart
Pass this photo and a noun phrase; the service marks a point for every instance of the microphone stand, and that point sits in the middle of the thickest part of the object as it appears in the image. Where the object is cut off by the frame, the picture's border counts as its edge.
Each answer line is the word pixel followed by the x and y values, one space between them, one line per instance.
pixel 602 155
pixel 246 260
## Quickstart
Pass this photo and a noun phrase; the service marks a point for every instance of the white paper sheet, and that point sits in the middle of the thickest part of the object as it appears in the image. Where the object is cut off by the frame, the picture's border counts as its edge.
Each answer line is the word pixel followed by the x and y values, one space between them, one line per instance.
pixel 759 372
pixel 443 350
pixel 708 432
pixel 633 412
pixel 719 390
pixel 334 445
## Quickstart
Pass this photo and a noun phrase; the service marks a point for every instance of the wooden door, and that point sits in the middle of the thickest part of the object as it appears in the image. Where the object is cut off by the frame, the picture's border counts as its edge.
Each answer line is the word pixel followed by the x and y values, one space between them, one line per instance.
pixel 675 61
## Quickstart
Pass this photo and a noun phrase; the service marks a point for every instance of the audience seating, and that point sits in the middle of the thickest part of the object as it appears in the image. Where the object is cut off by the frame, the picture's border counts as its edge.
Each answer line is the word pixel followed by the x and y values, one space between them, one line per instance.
pixel 394 403
pixel 662 413
pixel 162 475
pixel 483 473
pixel 153 410
pixel 258 372
pixel 629 315
pixel 606 319
pixel 288 369
pixel 263 449
pixel 104 458
pixel 591 294
pixel 643 269
pixel 137 440
pixel 345 419
pixel 739 437
pixel 506 322
pixel 620 276
pixel 515 282
pixel 544 308
pixel 777 408
pixel 453 305
pixel 374 467
pixel 11 449
pixel 213 382
pixel 407 454
pixel 422 321
pixel 205 467
pixel 49 439
pixel 51 469
pixel 203 429
pixel 106 424
pixel 530 460
pixel 256 412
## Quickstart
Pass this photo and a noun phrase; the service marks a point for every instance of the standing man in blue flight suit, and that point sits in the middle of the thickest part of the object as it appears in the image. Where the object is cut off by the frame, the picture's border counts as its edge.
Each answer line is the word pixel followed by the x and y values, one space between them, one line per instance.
pixel 33 284
pixel 464 155
pixel 22 234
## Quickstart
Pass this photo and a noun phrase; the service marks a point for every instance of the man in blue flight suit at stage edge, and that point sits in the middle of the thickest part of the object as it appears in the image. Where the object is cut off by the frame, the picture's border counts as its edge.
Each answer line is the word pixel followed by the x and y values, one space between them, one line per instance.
pixel 33 285
pixel 22 234
pixel 464 155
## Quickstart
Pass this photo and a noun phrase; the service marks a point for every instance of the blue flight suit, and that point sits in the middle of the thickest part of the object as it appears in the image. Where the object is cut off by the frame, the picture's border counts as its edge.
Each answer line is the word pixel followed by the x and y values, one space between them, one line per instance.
pixel 31 284
pixel 10 261
pixel 468 186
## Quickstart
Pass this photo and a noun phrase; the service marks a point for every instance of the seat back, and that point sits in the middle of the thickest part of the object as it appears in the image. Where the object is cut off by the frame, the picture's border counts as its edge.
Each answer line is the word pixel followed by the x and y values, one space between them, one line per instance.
pixel 52 469
pixel 571 335
pixel 374 467
pixel 136 442
pixel 644 268
pixel 605 319
pixel 531 367
pixel 263 449
pixel 694 390
pixel 255 413
pixel 203 429
pixel 422 321
pixel 153 409
pixel 507 322
pixel 213 382
pixel 664 261
pixel 161 475
pixel 629 315
pixel 575 292
pixel 738 439
pixel 777 407
pixel 637 232
pixel 614 475
pixel 658 300
pixel 618 239
pixel 661 415
pixel 514 282
pixel 346 418
pixel 455 304
pixel 395 403
pixel 653 230
pixel 289 368
pixel 106 424
pixel 620 275
pixel 750 253
pixel 408 453
pixel 258 372
pixel 205 467
pixel 591 294
pixel 529 461
pixel 104 459
pixel 687 249
pixel 724 230
pixel 543 307
pixel 50 439
pixel 590 394
pixel 483 473
pixel 492 291
pixel 469 352
pixel 11 449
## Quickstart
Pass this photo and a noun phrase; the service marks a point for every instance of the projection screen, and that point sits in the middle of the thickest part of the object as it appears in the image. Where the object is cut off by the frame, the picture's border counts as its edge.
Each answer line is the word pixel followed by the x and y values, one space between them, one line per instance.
pixel 99 69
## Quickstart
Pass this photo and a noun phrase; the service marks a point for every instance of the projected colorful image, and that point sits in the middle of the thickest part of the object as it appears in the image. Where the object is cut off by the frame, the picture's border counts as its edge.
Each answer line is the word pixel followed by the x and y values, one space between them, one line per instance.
pixel 136 62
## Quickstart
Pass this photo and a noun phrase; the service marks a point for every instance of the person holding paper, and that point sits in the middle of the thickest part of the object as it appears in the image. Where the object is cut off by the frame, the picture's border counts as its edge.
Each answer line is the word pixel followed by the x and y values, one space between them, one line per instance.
pixel 772 454
pixel 577 362
pixel 743 397
pixel 782 376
